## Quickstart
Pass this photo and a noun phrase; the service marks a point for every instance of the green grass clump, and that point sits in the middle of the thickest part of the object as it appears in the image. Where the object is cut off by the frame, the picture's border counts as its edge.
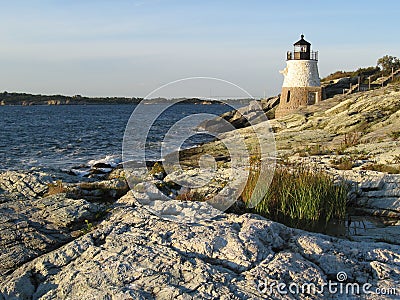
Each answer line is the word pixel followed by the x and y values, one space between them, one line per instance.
pixel 301 197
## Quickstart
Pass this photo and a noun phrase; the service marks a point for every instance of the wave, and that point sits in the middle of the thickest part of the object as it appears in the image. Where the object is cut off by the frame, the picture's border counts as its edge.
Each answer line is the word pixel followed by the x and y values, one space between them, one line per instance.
pixel 111 160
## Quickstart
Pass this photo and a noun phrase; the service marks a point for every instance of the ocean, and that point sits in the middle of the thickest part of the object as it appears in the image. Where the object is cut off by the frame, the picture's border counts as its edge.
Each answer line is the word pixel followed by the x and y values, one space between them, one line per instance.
pixel 54 138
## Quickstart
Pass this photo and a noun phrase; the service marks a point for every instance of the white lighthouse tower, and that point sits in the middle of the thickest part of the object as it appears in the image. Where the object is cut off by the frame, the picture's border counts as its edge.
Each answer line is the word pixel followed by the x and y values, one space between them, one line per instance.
pixel 301 85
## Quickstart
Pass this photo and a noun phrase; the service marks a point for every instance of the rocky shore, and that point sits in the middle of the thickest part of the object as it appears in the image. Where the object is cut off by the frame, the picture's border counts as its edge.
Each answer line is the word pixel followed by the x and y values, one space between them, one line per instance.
pixel 136 255
pixel 96 240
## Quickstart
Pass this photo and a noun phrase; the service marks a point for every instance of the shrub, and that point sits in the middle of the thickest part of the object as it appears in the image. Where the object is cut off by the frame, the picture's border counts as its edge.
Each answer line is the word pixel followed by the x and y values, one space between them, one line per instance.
pixel 387 62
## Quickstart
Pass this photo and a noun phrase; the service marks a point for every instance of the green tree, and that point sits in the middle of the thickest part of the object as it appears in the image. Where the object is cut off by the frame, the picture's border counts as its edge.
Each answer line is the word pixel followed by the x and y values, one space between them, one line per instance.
pixel 387 62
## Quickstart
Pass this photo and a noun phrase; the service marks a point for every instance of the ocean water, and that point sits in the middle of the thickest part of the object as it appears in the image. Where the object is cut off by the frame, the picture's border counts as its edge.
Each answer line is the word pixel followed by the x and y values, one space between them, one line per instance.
pixel 63 137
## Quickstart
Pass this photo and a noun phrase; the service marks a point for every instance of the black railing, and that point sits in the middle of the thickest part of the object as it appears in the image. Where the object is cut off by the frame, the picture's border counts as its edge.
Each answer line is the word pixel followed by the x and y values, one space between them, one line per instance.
pixel 295 55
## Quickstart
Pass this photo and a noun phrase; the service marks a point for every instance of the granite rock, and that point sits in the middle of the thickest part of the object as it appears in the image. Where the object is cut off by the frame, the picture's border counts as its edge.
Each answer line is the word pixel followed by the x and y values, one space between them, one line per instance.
pixel 136 255
pixel 31 224
pixel 22 185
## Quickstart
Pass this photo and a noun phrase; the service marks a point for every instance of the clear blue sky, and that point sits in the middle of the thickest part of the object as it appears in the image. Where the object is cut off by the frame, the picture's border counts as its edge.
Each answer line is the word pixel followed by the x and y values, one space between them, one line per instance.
pixel 129 48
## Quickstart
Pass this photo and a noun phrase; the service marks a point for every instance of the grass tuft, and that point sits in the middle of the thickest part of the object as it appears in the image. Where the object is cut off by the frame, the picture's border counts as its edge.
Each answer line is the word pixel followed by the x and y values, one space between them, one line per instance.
pixel 300 197
pixel 343 163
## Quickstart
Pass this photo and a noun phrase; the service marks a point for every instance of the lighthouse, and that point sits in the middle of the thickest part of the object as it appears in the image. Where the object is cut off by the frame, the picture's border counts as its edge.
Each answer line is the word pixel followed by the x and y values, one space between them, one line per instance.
pixel 301 85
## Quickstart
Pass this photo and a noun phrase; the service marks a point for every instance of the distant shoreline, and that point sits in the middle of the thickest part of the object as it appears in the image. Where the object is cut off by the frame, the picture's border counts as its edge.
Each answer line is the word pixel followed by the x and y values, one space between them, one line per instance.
pixel 24 99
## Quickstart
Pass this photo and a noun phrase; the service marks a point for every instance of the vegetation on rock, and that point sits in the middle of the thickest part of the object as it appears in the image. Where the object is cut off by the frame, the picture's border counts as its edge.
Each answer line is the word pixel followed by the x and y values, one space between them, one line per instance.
pixel 343 163
pixel 384 67
pixel 362 72
pixel 55 188
pixel 387 63
pixel 382 168
pixel 190 195
pixel 299 196
pixel 30 99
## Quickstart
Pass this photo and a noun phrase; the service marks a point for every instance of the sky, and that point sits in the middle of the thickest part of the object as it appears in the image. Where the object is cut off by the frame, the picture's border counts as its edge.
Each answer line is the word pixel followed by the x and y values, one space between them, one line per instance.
pixel 129 48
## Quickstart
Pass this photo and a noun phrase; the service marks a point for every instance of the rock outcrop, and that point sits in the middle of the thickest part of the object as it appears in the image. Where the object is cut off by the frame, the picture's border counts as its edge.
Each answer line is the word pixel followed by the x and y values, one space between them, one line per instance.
pixel 32 223
pixel 241 117
pixel 17 185
pixel 136 255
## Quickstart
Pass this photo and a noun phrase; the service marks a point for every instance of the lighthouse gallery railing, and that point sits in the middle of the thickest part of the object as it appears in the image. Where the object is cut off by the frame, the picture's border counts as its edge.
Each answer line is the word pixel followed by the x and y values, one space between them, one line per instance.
pixel 290 55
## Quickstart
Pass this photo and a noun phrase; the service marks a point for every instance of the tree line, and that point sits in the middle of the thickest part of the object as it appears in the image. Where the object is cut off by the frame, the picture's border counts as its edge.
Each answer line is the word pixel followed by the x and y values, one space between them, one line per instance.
pixel 31 99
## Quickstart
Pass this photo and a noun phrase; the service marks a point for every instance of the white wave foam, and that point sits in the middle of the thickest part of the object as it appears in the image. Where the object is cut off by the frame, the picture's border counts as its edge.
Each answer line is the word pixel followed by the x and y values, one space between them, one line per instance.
pixel 112 160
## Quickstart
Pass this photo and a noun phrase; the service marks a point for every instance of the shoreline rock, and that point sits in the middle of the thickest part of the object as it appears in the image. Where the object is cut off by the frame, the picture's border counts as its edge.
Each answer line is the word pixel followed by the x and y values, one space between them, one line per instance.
pixel 32 222
pixel 134 254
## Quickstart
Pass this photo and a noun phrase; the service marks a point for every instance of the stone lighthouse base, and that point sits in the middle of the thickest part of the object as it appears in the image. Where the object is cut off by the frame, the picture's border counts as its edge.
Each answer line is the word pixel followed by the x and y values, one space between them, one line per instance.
pixel 293 98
